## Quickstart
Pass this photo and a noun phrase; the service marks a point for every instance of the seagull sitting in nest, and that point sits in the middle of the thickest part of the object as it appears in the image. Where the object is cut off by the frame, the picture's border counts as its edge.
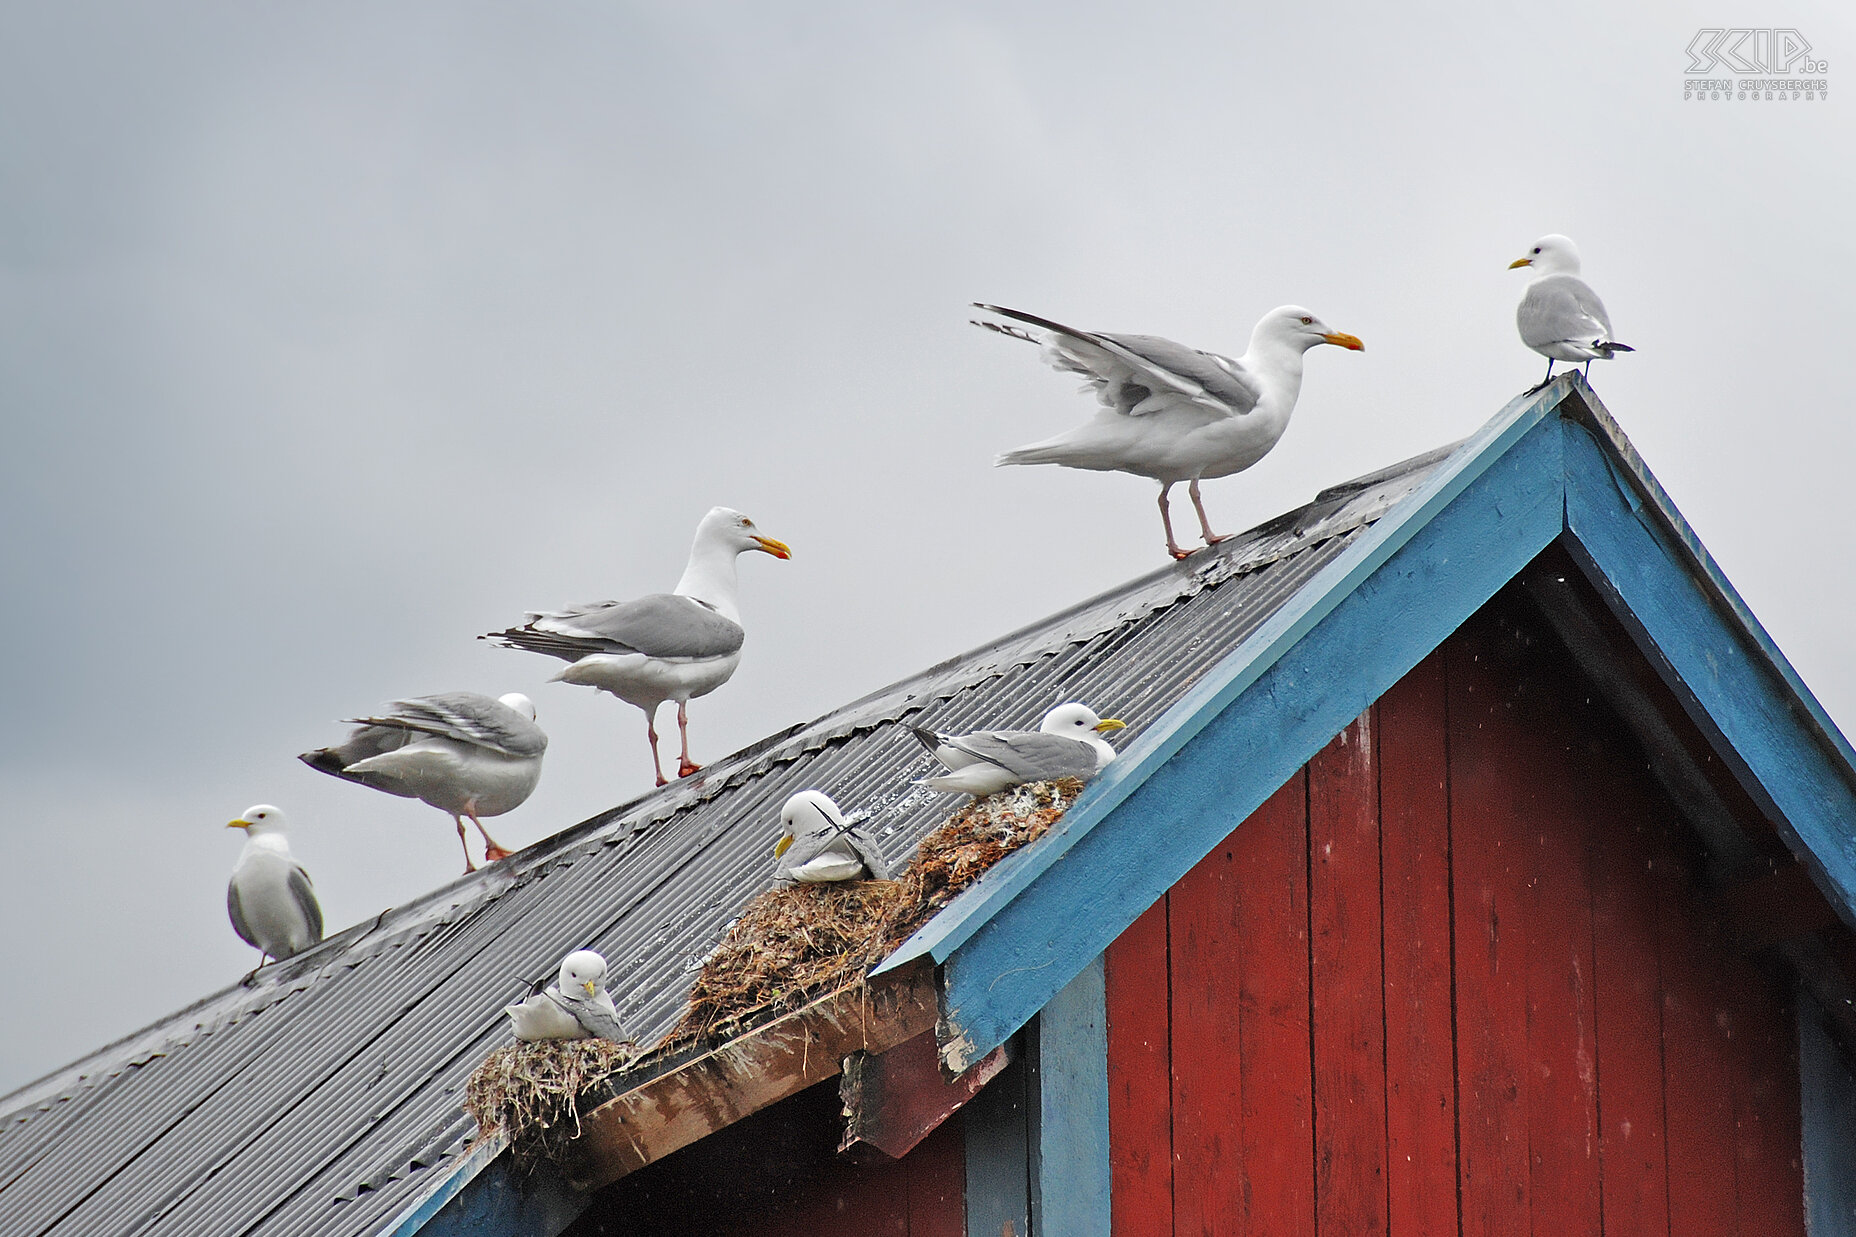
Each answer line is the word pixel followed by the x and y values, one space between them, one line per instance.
pixel 575 1006
pixel 665 646
pixel 818 845
pixel 1560 317
pixel 1067 743
pixel 1171 412
pixel 463 753
pixel 272 904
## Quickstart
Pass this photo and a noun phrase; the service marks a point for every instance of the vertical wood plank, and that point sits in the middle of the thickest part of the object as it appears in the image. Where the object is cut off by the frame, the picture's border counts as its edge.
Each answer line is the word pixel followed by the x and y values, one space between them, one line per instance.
pixel 1768 1174
pixel 1627 989
pixel 1073 1155
pixel 1348 984
pixel 1140 1076
pixel 936 1186
pixel 1420 1047
pixel 1829 1122
pixel 996 1125
pixel 1488 872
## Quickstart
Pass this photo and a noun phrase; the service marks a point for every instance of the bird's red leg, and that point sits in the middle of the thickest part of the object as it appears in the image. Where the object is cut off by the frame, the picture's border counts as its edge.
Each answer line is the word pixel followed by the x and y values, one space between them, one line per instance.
pixel 685 766
pixel 650 728
pixel 491 851
pixel 1166 522
pixel 1205 525
pixel 464 841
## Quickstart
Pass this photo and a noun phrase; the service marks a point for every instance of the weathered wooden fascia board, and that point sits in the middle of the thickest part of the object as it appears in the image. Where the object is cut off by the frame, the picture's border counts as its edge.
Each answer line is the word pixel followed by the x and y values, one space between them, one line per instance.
pixel 1385 612
pixel 750 1072
pixel 1229 679
pixel 1722 667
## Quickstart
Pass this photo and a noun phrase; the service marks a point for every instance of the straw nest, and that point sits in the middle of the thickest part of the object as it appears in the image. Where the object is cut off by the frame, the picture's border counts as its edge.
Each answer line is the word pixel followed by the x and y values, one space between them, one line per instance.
pixel 789 946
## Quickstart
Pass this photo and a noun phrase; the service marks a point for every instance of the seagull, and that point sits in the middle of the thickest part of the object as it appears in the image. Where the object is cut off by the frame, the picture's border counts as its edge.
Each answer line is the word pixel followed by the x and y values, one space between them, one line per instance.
pixel 818 845
pixel 462 753
pixel 1560 316
pixel 1067 743
pixel 665 646
pixel 1171 412
pixel 575 1006
pixel 272 904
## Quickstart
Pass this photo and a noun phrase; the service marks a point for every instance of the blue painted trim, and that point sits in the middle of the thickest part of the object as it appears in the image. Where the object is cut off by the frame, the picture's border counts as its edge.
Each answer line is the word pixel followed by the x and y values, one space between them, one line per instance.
pixel 1827 1102
pixel 1073 1165
pixel 1393 597
pixel 1722 667
pixel 484 1197
pixel 1231 678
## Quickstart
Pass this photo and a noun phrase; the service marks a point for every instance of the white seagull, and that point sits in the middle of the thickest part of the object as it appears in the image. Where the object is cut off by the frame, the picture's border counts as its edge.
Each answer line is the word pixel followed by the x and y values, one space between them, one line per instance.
pixel 575 1006
pixel 665 646
pixel 1560 317
pixel 1067 743
pixel 270 899
pixel 1171 412
pixel 816 844
pixel 463 753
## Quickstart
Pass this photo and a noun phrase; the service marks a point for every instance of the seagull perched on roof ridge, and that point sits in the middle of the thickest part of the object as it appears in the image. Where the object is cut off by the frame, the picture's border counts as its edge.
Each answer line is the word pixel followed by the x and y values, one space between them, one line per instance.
pixel 575 1006
pixel 817 844
pixel 270 899
pixel 463 753
pixel 665 646
pixel 1560 317
pixel 1067 743
pixel 1170 412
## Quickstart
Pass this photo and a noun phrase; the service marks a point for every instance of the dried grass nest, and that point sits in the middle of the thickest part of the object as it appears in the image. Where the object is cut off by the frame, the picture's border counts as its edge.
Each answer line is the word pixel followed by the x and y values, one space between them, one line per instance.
pixel 789 946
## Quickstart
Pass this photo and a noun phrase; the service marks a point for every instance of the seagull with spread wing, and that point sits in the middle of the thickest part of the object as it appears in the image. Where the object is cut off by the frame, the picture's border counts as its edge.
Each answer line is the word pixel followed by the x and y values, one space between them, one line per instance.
pixel 1560 317
pixel 463 753
pixel 575 1006
pixel 272 905
pixel 1067 743
pixel 1170 412
pixel 665 646
pixel 817 844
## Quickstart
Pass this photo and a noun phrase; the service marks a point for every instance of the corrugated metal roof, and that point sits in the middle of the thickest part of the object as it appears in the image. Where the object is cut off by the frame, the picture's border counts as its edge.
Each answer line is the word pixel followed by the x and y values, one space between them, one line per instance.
pixel 322 1100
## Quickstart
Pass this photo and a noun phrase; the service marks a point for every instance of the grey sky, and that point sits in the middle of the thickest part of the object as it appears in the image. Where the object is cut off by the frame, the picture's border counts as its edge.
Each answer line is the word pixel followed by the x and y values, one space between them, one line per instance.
pixel 334 335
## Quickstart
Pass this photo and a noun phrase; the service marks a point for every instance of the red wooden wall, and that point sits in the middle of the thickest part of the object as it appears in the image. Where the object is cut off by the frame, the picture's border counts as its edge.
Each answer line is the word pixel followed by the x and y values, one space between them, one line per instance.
pixel 1452 979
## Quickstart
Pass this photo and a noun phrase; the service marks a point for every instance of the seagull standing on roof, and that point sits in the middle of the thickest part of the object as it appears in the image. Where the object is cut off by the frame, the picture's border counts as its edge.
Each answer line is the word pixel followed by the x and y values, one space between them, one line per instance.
pixel 818 845
pixel 462 753
pixel 665 646
pixel 270 900
pixel 1067 743
pixel 1171 412
pixel 1560 317
pixel 575 1006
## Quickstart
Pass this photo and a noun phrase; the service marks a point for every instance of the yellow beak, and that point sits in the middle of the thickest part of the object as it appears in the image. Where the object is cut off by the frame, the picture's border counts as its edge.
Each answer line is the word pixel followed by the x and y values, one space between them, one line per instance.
pixel 1110 723
pixel 1350 342
pixel 779 848
pixel 238 824
pixel 1519 262
pixel 588 985
pixel 776 548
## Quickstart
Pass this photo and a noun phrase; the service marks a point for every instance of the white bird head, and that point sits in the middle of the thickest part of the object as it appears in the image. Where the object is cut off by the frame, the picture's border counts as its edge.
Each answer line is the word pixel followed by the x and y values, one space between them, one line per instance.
pixel 520 703
pixel 1077 721
pixel 1552 254
pixel 259 820
pixel 1300 329
pixel 807 814
pixel 582 971
pixel 729 528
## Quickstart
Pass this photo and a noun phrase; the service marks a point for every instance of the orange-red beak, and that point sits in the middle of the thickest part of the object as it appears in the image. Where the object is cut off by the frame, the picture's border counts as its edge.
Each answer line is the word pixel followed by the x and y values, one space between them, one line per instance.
pixel 776 548
pixel 1350 342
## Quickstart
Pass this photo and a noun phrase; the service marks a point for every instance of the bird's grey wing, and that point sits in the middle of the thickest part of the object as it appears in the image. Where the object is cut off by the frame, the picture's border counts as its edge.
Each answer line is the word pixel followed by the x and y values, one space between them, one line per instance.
pixel 1031 754
pixel 467 717
pixel 660 625
pixel 237 913
pixel 1561 307
pixel 304 894
pixel 594 1020
pixel 1141 374
pixel 866 850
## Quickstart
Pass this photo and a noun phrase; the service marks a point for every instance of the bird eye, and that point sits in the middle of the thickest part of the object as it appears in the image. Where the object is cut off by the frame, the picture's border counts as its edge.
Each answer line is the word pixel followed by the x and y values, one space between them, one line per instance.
pixel 1536 248
pixel 1308 321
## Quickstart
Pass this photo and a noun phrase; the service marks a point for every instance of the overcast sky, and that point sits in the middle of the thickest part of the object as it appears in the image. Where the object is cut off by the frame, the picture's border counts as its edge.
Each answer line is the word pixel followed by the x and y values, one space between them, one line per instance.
pixel 333 335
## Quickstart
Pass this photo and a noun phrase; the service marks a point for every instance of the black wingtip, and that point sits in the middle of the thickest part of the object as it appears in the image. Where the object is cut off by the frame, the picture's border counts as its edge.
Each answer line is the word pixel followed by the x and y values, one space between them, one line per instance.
pixel 324 760
pixel 1614 346
pixel 927 738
